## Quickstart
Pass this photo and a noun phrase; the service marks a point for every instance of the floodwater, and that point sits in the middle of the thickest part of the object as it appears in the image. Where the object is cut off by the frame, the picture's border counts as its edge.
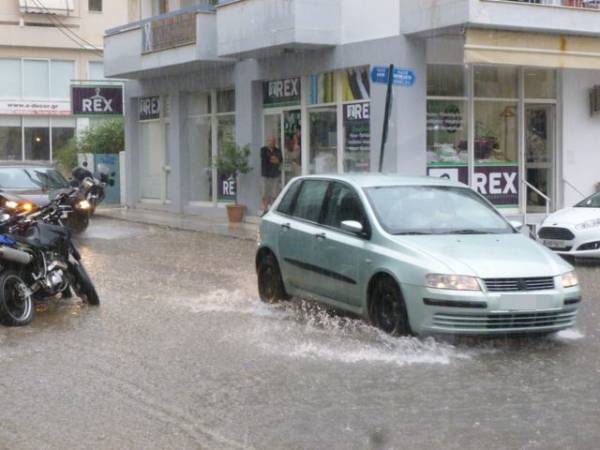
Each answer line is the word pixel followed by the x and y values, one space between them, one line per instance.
pixel 182 354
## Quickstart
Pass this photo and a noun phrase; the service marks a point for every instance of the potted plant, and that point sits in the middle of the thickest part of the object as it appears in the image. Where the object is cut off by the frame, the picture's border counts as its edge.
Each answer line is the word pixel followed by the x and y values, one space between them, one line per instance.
pixel 232 161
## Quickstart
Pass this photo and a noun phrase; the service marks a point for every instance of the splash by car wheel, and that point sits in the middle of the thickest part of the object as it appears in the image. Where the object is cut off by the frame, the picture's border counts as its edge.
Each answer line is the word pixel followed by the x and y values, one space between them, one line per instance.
pixel 16 303
pixel 270 283
pixel 387 309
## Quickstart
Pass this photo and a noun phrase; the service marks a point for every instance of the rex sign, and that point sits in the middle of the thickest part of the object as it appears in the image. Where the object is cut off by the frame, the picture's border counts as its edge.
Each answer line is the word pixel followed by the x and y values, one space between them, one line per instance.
pixel 499 184
pixel 97 100
pixel 281 92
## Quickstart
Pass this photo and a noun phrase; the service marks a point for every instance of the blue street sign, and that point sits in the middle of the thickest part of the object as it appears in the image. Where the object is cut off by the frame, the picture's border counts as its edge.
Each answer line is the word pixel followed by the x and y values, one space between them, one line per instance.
pixel 402 77
pixel 379 74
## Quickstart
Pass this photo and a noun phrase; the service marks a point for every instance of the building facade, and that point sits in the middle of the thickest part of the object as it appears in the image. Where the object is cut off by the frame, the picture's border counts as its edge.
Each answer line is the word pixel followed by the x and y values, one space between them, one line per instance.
pixel 45 46
pixel 494 93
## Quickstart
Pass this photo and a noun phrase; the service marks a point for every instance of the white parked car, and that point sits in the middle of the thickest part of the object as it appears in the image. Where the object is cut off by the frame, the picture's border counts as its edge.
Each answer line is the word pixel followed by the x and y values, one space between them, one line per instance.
pixel 574 231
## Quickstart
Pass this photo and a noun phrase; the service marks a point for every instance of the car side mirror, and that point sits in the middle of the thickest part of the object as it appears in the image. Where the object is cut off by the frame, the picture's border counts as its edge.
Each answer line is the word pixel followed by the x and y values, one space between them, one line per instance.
pixel 352 226
pixel 516 225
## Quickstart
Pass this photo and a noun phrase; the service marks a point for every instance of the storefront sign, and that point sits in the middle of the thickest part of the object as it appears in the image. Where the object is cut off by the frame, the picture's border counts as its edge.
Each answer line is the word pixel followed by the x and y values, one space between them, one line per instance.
pixel 499 184
pixel 97 100
pixel 281 92
pixel 35 107
pixel 149 108
pixel 401 77
pixel 169 32
pixel 357 125
pixel 227 188
pixel 448 119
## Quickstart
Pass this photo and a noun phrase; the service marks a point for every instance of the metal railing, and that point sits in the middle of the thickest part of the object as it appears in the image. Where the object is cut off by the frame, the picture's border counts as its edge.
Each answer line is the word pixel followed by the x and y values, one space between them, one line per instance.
pixel 572 186
pixel 584 4
pixel 207 6
pixel 547 200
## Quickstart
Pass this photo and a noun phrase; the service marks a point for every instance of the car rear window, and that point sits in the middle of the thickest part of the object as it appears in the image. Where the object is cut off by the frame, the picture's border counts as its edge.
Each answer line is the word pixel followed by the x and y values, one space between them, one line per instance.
pixel 287 202
pixel 310 200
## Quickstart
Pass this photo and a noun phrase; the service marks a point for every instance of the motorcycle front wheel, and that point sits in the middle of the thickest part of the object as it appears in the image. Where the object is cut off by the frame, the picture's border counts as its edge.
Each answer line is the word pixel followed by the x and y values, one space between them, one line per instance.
pixel 83 286
pixel 16 303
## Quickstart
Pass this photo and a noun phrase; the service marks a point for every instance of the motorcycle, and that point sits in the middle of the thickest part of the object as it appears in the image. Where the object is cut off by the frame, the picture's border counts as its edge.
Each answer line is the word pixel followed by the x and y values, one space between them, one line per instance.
pixel 94 189
pixel 77 219
pixel 39 260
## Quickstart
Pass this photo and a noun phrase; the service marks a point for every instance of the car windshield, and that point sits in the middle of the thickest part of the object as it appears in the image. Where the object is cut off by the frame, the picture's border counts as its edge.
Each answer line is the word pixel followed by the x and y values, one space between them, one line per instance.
pixel 34 178
pixel 425 210
pixel 591 202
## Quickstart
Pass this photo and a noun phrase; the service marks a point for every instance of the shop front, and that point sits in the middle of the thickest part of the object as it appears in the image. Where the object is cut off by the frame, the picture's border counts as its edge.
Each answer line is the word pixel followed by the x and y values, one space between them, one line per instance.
pixel 494 128
pixel 321 122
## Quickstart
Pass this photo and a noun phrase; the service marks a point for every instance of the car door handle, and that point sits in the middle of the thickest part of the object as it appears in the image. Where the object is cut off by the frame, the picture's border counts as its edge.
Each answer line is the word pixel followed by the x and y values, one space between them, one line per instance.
pixel 286 226
pixel 321 236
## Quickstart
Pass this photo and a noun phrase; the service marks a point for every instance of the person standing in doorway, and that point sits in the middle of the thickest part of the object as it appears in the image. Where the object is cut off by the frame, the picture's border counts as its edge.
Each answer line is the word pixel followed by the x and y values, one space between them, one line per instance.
pixel 271 159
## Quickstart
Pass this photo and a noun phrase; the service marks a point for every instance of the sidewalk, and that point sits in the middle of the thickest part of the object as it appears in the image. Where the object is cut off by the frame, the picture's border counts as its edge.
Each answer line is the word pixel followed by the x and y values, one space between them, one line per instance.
pixel 246 230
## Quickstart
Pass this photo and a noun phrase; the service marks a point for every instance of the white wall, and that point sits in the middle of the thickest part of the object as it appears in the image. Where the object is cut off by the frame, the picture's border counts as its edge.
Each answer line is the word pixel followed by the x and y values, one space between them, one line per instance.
pixel 581 135
pixel 362 20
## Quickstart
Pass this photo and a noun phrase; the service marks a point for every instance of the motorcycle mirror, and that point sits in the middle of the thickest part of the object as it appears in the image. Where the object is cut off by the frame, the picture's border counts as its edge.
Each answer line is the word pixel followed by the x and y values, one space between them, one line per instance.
pixel 111 182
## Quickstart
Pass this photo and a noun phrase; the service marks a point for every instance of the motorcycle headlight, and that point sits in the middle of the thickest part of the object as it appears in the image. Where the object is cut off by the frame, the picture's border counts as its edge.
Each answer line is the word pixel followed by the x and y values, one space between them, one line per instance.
pixel 594 223
pixel 452 282
pixel 11 204
pixel 83 204
pixel 570 279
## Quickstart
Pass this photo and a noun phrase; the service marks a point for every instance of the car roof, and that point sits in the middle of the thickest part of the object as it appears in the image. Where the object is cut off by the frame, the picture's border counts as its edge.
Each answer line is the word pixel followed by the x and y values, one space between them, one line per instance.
pixel 26 164
pixel 380 180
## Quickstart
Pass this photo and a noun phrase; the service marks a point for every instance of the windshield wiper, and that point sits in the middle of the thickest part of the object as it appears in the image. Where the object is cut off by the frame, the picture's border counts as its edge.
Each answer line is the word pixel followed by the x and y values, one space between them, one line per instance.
pixel 469 231
pixel 411 233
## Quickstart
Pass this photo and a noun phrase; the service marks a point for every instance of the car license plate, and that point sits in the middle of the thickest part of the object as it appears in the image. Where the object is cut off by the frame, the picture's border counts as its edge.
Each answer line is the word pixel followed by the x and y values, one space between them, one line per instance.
pixel 555 244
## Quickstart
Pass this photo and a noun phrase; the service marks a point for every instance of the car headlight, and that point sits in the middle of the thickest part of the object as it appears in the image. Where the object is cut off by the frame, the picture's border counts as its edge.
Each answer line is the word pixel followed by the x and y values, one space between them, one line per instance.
pixel 570 279
pixel 11 204
pixel 452 282
pixel 594 223
pixel 83 204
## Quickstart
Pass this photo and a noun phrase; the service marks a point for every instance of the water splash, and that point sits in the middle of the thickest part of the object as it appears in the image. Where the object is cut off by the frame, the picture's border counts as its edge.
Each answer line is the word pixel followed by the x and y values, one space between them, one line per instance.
pixel 300 329
pixel 570 334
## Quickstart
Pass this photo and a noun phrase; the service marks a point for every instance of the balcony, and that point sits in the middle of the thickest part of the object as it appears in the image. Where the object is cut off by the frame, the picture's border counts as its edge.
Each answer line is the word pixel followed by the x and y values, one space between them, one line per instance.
pixel 160 44
pixel 570 17
pixel 261 27
pixel 592 4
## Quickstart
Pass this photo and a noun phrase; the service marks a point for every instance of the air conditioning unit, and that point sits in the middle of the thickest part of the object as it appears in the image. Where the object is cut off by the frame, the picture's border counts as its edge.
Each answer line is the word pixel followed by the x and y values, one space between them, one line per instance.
pixel 59 7
pixel 595 100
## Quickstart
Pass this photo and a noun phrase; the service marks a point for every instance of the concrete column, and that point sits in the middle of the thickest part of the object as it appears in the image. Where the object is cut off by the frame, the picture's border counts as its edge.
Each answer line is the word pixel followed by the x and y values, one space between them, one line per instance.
pixel 410 120
pixel 248 108
pixel 405 151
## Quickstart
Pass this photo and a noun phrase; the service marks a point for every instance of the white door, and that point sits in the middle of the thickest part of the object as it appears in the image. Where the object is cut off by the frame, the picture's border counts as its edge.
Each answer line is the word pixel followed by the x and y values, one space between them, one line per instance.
pixel 152 162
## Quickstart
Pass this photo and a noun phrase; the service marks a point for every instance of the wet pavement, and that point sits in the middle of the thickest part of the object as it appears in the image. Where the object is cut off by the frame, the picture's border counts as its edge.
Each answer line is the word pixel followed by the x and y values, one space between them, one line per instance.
pixel 181 354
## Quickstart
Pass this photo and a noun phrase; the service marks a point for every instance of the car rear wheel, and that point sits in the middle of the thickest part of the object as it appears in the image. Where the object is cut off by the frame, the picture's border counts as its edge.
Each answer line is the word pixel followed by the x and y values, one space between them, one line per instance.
pixel 387 309
pixel 270 283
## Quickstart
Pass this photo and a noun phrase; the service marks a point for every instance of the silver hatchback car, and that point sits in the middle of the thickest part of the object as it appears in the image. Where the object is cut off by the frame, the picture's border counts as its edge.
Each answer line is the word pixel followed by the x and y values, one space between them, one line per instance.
pixel 411 255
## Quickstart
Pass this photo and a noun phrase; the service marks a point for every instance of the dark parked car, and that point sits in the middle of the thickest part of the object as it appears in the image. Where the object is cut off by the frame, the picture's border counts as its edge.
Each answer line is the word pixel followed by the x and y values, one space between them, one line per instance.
pixel 39 183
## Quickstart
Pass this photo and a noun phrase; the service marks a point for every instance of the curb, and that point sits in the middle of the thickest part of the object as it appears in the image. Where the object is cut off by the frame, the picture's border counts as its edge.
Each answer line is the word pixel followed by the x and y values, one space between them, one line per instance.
pixel 171 227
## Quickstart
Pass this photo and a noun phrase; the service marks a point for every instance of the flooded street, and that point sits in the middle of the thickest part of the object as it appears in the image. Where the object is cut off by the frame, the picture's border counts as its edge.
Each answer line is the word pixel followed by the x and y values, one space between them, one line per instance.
pixel 182 354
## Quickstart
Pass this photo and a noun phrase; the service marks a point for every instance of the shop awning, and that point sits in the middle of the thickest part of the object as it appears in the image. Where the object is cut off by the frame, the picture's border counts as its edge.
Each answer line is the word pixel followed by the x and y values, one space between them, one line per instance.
pixel 531 49
pixel 47 6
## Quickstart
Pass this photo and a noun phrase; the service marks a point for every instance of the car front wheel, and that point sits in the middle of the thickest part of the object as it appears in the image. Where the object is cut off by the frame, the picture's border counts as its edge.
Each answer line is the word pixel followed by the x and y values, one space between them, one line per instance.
pixel 270 283
pixel 387 309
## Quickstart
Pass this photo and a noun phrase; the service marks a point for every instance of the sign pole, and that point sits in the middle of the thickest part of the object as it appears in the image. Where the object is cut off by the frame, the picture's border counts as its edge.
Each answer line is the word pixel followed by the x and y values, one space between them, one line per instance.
pixel 386 116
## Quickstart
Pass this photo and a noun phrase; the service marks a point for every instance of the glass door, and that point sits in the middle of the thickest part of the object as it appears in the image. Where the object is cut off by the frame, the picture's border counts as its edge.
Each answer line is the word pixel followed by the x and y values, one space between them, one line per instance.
pixel 539 154
pixel 292 148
